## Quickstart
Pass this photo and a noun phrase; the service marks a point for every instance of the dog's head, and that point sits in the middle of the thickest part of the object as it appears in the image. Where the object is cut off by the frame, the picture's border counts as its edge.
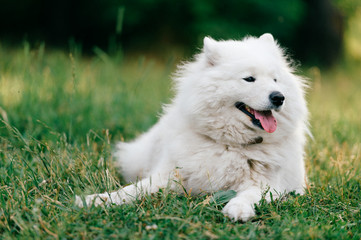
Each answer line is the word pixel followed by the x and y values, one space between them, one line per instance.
pixel 236 91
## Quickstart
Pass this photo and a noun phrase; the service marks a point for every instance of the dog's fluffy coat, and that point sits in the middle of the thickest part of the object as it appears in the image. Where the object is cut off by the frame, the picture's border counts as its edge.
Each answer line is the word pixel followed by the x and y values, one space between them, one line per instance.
pixel 206 143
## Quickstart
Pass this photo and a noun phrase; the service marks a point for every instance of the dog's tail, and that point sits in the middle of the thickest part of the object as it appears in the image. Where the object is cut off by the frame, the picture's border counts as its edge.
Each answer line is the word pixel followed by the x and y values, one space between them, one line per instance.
pixel 135 159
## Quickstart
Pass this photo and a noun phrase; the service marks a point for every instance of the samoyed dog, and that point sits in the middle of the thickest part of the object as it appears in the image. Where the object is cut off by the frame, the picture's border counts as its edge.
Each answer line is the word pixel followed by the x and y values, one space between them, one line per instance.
pixel 238 122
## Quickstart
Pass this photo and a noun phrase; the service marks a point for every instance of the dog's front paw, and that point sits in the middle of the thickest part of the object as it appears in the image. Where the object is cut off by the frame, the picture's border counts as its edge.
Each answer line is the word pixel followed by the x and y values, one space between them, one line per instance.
pixel 95 199
pixel 239 209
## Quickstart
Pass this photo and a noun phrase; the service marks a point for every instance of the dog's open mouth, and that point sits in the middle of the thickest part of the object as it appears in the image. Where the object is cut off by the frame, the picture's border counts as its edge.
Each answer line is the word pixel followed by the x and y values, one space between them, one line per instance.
pixel 262 119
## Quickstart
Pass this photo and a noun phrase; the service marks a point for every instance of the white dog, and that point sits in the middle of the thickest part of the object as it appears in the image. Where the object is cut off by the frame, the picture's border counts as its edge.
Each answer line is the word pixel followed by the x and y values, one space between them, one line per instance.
pixel 238 122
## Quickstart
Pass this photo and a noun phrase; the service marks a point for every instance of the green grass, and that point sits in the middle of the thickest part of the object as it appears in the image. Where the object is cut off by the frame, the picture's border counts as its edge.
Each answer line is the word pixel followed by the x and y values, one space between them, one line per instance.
pixel 61 113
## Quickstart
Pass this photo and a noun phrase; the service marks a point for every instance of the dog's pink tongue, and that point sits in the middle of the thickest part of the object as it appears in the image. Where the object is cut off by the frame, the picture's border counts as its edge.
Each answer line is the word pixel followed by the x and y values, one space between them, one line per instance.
pixel 268 122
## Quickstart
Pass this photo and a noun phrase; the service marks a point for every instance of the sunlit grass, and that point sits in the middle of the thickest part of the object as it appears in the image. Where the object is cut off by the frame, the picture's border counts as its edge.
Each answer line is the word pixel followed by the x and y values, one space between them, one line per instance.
pixel 60 114
pixel 63 90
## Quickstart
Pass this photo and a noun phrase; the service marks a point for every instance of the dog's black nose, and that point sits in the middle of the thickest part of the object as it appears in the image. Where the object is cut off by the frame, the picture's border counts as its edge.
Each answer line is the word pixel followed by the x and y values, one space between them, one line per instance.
pixel 276 98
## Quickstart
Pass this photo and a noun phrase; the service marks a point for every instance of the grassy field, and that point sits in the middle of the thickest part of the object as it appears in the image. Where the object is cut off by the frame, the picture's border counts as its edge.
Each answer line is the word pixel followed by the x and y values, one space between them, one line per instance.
pixel 60 113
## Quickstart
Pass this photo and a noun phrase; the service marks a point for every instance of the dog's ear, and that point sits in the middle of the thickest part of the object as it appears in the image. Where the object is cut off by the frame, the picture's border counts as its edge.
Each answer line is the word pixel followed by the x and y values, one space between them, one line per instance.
pixel 210 50
pixel 267 37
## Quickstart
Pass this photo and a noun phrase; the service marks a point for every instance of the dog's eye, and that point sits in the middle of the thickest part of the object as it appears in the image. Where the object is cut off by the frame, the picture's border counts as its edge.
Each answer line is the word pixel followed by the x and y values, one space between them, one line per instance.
pixel 275 80
pixel 249 79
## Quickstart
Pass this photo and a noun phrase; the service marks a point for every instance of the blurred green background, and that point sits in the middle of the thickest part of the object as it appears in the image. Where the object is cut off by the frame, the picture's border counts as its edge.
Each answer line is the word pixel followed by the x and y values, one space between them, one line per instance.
pixel 312 30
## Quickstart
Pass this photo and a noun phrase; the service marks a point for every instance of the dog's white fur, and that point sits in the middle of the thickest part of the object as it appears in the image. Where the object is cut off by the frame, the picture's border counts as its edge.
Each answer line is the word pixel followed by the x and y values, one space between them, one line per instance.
pixel 205 143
